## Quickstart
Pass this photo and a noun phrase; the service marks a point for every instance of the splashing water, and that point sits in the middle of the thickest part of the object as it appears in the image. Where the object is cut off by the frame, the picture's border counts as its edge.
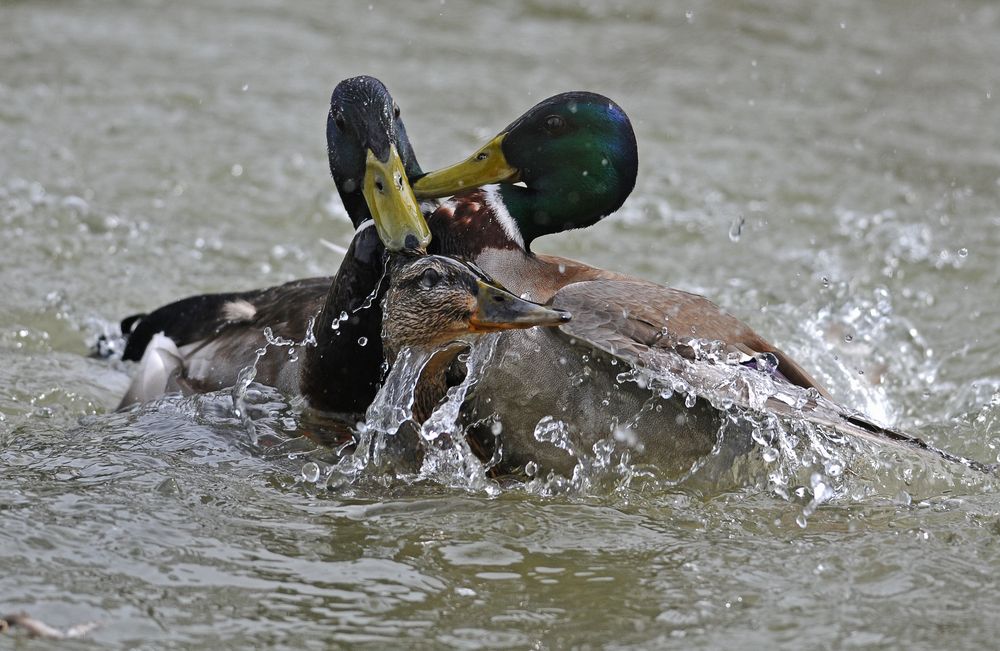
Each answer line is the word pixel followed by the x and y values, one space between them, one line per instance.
pixel 447 456
pixel 801 455
pixel 391 410
pixel 393 405
pixel 248 374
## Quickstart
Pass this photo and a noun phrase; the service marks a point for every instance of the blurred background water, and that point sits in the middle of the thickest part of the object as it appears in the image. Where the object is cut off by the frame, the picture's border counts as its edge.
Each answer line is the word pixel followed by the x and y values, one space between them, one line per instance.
pixel 829 172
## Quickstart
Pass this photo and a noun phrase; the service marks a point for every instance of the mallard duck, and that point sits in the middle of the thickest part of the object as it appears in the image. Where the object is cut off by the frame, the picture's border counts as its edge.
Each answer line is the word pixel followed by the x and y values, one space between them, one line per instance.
pixel 567 163
pixel 440 304
pixel 203 342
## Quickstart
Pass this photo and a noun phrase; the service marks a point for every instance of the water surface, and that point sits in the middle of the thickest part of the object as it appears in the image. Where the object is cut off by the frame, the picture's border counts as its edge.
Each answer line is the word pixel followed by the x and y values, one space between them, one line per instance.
pixel 829 173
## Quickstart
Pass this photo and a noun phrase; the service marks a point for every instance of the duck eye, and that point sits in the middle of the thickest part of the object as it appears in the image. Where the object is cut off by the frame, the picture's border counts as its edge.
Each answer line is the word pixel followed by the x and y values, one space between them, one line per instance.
pixel 339 120
pixel 429 278
pixel 554 124
pixel 395 110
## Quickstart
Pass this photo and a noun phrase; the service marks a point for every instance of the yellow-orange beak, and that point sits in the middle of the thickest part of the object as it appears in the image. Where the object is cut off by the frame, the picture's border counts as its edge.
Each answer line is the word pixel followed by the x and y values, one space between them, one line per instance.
pixel 400 223
pixel 487 165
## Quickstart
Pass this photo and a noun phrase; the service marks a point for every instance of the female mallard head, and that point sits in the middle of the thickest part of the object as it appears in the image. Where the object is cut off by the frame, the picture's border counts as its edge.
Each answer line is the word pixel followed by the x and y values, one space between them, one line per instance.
pixel 434 300
pixel 371 161
pixel 575 153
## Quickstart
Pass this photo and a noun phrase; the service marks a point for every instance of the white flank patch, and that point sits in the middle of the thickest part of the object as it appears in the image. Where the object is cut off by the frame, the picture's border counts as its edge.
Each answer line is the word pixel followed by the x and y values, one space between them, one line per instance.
pixel 495 202
pixel 160 361
pixel 239 310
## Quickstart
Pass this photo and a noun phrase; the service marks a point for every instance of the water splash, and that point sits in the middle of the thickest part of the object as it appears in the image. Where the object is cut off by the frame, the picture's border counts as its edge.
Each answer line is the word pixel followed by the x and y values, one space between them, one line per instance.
pixel 385 443
pixel 248 374
pixel 448 458
pixel 800 455
pixel 393 405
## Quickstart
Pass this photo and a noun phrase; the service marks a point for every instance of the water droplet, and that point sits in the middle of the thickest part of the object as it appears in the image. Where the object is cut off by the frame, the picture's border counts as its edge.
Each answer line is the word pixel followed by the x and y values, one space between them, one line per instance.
pixel 531 468
pixel 766 362
pixel 246 87
pixel 236 170
pixel 820 489
pixel 310 472
pixel 551 430
pixel 362 341
pixel 769 454
pixel 628 437
pixel 496 428
pixel 689 16
pixel 736 228
pixel 690 400
pixel 825 281
pixel 800 520
pixel 963 252
pixel 849 338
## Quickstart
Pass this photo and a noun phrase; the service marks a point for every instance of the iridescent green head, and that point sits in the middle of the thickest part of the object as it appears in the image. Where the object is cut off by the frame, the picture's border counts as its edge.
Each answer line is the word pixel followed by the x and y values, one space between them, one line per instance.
pixel 575 153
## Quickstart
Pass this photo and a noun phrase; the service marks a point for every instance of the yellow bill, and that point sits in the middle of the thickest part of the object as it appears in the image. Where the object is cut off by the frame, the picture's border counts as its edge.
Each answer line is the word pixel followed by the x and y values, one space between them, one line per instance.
pixel 400 223
pixel 487 165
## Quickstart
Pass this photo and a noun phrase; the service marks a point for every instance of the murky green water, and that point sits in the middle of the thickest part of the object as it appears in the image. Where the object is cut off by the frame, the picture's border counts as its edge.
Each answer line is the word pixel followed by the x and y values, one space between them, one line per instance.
pixel 155 150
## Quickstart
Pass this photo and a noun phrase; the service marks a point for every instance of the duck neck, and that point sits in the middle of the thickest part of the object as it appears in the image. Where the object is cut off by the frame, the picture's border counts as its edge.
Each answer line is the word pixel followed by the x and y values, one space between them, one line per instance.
pixel 342 372
pixel 355 204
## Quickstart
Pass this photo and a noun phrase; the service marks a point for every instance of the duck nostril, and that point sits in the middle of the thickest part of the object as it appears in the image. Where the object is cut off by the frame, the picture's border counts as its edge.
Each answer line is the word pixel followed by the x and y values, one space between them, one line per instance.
pixel 379 185
pixel 482 155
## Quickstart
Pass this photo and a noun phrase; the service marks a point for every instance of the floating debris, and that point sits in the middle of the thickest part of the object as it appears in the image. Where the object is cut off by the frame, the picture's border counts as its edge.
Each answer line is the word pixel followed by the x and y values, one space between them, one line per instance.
pixel 37 628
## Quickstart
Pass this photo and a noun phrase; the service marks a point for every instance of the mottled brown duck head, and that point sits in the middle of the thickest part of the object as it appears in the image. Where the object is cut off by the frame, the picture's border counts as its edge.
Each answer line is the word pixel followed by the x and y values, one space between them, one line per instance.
pixel 434 300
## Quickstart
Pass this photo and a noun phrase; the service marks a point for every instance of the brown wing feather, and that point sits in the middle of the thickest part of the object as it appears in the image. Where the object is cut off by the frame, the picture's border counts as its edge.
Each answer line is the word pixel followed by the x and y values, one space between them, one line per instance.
pixel 626 319
pixel 620 313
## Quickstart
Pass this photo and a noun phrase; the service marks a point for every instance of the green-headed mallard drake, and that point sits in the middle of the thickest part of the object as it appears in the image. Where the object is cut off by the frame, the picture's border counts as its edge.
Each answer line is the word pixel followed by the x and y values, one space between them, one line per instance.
pixel 567 163
pixel 202 343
